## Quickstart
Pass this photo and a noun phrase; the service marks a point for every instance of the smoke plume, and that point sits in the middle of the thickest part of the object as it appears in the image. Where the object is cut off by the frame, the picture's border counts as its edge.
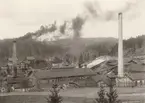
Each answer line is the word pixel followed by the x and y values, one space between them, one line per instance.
pixel 63 27
pixel 98 9
pixel 76 46
pixel 108 9
pixel 46 29
pixel 77 25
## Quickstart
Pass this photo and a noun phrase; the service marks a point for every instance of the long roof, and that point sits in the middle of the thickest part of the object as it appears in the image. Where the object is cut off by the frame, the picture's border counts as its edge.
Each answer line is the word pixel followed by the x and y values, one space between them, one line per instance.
pixel 136 68
pixel 75 72
pixel 103 77
pixel 16 80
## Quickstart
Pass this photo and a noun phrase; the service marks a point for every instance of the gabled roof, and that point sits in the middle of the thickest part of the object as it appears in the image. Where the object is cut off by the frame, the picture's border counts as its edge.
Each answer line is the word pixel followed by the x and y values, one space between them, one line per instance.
pixel 137 76
pixel 129 65
pixel 104 77
pixel 126 61
pixel 98 61
pixel 50 74
pixel 109 61
pixel 140 61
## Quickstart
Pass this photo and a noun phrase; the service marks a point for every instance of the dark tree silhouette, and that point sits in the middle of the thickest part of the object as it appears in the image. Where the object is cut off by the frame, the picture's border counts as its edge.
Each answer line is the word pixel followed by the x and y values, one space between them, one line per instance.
pixel 54 96
pixel 112 94
pixel 80 62
pixel 67 59
pixel 101 96
pixel 109 97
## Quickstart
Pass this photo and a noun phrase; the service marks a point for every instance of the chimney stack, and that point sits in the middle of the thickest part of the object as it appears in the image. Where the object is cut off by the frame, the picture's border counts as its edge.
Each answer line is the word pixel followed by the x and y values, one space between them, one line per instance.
pixel 120 46
pixel 14 53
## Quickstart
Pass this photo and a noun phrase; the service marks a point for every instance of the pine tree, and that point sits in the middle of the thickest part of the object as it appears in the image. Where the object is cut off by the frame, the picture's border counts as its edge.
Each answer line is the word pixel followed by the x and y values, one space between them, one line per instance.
pixel 67 59
pixel 54 96
pixel 101 96
pixel 80 62
pixel 112 94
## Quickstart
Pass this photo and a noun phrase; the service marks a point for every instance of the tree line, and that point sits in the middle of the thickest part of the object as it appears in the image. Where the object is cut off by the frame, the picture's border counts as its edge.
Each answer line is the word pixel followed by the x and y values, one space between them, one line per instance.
pixel 102 96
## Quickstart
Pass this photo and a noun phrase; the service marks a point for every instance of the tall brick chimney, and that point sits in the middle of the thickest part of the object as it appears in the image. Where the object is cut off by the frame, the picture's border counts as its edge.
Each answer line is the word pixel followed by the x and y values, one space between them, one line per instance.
pixel 120 46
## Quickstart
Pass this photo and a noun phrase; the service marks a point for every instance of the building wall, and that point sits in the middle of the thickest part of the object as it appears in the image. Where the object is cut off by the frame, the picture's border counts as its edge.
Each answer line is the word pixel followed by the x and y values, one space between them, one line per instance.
pixel 78 81
pixel 124 82
pixel 139 83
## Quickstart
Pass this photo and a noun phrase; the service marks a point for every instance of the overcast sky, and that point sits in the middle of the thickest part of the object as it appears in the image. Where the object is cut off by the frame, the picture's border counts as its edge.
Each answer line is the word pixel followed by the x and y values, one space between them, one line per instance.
pixel 17 17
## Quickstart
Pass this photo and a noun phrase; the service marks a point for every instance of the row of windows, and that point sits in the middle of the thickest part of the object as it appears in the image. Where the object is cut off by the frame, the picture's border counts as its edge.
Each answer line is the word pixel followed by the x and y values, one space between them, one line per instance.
pixel 68 79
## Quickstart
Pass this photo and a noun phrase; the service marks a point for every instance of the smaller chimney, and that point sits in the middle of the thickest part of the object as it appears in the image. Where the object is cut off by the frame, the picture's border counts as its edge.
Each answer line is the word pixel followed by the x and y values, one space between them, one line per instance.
pixel 14 53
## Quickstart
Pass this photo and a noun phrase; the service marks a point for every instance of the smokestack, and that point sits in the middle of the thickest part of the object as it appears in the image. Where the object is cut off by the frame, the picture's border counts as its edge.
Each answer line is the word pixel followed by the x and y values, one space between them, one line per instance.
pixel 14 54
pixel 120 46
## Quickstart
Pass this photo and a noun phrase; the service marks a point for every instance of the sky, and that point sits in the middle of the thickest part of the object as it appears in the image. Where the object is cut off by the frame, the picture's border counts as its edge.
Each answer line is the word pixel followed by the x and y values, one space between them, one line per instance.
pixel 18 17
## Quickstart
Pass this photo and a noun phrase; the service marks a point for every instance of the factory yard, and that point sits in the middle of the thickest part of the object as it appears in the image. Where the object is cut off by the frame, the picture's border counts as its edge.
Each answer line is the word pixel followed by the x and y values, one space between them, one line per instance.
pixel 76 95
pixel 81 92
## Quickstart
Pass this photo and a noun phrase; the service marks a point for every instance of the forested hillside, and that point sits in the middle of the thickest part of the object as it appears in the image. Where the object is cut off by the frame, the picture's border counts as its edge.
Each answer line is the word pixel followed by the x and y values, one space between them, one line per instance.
pixel 88 48
pixel 66 39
